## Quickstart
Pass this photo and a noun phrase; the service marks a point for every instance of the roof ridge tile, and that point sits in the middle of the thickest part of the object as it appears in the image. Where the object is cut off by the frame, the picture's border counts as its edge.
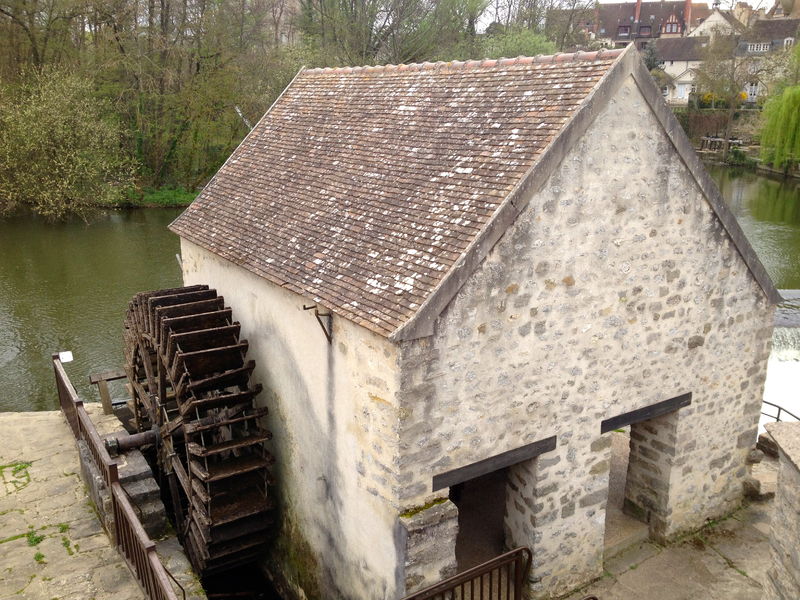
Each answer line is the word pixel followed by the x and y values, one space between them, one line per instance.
pixel 472 64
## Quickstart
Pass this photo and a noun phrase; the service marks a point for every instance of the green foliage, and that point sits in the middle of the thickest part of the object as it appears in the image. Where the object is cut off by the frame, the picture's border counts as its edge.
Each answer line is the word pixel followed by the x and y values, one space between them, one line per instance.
pixel 780 137
pixel 33 539
pixel 650 56
pixel 517 42
pixel 163 197
pixel 661 77
pixel 737 157
pixel 100 104
pixel 39 558
pixel 60 152
pixel 65 541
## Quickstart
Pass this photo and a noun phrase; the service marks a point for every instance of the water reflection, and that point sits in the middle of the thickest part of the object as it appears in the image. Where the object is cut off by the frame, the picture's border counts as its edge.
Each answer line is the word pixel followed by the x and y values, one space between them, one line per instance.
pixel 769 212
pixel 65 286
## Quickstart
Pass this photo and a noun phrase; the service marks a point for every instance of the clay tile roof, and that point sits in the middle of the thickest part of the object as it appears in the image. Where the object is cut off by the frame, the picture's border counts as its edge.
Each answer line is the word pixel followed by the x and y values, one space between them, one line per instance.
pixel 612 15
pixel 767 30
pixel 361 188
pixel 682 48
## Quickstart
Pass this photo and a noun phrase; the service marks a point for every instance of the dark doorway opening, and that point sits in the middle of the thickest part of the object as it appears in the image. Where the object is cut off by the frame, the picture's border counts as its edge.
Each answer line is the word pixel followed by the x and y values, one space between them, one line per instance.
pixel 481 506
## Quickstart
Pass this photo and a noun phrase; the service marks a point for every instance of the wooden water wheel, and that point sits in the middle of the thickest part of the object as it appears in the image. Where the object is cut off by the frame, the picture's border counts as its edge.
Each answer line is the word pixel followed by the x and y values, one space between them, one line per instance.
pixel 191 385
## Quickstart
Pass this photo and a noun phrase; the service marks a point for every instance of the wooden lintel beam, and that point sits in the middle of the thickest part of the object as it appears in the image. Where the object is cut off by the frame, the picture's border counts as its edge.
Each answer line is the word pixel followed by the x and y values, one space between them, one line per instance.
pixel 494 463
pixel 659 409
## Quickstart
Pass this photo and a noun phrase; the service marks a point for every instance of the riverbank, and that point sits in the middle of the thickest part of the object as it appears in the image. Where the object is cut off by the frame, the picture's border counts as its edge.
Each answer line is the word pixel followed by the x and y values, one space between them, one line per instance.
pixel 753 166
pixel 159 198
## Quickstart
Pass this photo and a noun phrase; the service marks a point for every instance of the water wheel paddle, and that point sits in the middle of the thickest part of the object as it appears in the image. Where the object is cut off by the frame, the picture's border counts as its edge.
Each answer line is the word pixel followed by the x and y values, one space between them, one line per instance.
pixel 190 382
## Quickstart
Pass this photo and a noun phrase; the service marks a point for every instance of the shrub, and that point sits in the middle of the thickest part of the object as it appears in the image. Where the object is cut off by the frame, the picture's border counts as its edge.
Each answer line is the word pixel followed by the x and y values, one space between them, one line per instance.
pixel 59 151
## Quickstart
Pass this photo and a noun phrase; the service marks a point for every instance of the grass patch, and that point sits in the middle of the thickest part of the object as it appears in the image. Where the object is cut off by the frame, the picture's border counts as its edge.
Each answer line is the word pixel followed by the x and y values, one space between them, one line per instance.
pixel 16 474
pixel 39 558
pixel 21 590
pixel 162 197
pixel 63 527
pixel 12 538
pixel 418 509
pixel 66 543
pixel 33 539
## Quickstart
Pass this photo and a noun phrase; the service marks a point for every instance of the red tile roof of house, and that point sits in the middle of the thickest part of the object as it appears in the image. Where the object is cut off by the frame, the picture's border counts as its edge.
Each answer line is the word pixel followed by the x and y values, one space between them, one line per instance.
pixel 362 187
pixel 612 15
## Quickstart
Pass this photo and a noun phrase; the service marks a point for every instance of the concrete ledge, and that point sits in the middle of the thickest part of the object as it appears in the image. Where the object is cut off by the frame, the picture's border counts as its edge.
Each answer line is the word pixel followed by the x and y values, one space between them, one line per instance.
pixel 783 578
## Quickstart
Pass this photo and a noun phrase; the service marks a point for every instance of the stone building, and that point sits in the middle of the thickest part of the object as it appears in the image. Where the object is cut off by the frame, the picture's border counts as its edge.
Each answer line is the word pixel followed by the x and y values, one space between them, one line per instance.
pixel 461 271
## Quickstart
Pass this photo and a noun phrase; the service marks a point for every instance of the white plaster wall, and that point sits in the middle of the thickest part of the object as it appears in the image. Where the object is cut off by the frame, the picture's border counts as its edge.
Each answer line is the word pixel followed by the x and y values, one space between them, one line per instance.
pixel 333 417
pixel 714 24
pixel 682 75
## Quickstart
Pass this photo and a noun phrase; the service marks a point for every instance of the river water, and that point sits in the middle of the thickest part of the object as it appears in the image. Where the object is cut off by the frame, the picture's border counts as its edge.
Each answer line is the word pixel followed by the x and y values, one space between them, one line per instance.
pixel 769 213
pixel 66 287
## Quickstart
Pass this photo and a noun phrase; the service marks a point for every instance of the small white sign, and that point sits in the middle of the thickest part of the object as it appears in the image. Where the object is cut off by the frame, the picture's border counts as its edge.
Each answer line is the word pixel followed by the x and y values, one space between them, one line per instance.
pixel 65 356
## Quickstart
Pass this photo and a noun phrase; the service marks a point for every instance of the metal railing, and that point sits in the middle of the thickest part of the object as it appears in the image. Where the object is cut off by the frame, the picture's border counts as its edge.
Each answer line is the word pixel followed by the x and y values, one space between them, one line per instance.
pixel 130 537
pixel 780 411
pixel 502 578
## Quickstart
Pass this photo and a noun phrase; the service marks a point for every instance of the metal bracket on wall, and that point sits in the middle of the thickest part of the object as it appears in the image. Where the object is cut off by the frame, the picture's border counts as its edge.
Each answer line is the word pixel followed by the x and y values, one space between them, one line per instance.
pixel 327 330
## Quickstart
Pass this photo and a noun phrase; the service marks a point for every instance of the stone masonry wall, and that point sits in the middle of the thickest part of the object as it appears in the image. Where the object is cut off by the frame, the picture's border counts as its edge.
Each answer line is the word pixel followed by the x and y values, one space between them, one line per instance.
pixel 783 579
pixel 616 288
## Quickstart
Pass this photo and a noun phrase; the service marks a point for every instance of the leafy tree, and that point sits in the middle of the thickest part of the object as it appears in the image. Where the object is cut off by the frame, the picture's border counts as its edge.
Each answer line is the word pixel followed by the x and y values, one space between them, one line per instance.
pixel 650 56
pixel 60 153
pixel 780 138
pixel 517 42
pixel 564 24
pixel 724 74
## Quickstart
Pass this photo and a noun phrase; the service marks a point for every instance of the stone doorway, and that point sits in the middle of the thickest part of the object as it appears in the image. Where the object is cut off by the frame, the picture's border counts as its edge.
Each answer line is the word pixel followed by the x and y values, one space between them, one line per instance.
pixel 638 504
pixel 621 529
pixel 481 506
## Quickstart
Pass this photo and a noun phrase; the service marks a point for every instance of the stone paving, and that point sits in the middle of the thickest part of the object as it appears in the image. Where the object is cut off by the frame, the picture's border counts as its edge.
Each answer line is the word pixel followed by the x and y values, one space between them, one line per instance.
pixel 727 560
pixel 51 544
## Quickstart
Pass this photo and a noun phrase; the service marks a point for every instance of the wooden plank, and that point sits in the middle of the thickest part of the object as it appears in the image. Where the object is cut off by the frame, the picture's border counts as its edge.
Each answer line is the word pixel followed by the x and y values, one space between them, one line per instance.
pixel 233 377
pixel 191 341
pixel 111 375
pixel 207 320
pixel 228 399
pixel 494 463
pixel 154 302
pixel 105 396
pixel 202 363
pixel 659 409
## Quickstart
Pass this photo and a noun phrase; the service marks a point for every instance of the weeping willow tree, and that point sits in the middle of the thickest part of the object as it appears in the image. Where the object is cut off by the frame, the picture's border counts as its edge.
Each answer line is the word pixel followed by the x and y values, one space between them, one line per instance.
pixel 780 138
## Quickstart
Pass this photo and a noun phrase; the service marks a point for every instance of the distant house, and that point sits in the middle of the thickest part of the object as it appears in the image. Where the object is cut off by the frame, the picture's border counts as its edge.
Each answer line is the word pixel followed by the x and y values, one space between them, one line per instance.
pixel 719 22
pixel 616 25
pixel 680 58
pixel 458 271
pixel 770 35
pixel 756 33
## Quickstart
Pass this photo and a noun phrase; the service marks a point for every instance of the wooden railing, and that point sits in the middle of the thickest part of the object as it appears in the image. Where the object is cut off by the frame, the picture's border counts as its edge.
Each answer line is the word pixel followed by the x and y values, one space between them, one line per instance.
pixel 502 578
pixel 130 537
